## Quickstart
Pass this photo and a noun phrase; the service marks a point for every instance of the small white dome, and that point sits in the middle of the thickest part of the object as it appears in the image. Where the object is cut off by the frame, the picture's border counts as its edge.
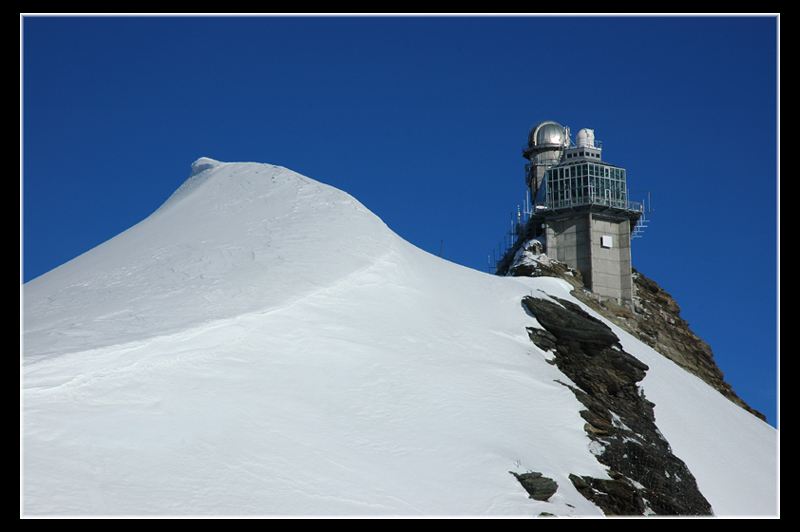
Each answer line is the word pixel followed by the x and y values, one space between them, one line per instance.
pixel 585 138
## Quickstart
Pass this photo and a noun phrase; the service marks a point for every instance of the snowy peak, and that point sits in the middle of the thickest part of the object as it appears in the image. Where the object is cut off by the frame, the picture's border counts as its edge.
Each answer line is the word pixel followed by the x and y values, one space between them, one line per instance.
pixel 202 164
pixel 201 170
pixel 232 239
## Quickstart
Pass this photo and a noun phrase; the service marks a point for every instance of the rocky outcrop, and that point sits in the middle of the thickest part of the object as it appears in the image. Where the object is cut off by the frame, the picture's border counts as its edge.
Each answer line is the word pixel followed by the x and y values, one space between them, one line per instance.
pixel 538 487
pixel 653 317
pixel 531 261
pixel 645 476
pixel 616 496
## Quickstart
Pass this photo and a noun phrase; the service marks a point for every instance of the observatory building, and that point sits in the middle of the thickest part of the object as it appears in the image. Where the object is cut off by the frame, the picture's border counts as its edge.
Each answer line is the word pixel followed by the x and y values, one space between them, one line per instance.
pixel 580 207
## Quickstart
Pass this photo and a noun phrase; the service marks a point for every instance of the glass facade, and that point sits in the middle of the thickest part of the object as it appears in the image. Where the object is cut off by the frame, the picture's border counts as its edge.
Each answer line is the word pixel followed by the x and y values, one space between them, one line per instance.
pixel 582 183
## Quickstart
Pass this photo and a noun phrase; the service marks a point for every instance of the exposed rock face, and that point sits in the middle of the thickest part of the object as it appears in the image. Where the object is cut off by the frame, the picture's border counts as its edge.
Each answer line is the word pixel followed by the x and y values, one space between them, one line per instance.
pixel 653 317
pixel 538 487
pixel 646 477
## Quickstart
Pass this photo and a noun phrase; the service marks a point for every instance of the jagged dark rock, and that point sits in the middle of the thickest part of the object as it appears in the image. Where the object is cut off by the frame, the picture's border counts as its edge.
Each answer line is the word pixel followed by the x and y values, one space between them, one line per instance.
pixel 646 476
pixel 572 322
pixel 542 339
pixel 538 487
pixel 615 497
pixel 653 317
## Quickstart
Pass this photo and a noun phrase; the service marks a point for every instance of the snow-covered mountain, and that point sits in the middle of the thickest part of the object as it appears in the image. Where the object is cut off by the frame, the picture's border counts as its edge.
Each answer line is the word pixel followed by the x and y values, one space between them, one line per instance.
pixel 264 345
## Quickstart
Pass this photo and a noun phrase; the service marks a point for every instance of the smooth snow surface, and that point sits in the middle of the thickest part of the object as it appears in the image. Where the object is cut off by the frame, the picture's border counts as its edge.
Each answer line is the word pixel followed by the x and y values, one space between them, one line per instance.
pixel 264 345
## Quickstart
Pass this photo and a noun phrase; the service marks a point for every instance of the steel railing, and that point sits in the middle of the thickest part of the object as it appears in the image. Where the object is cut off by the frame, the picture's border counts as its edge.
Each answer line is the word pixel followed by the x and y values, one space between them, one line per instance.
pixel 578 201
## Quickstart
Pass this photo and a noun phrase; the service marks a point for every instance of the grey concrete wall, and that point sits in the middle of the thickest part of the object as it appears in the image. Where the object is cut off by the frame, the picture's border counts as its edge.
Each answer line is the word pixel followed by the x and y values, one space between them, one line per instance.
pixel 578 241
pixel 568 240
pixel 611 266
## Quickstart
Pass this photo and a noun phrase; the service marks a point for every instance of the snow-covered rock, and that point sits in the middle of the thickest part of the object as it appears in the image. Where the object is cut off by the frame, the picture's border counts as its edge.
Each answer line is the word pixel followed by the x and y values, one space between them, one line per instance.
pixel 530 260
pixel 264 345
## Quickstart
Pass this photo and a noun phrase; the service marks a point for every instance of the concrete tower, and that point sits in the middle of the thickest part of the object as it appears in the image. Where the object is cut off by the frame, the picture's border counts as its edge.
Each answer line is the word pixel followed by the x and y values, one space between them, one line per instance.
pixel 581 207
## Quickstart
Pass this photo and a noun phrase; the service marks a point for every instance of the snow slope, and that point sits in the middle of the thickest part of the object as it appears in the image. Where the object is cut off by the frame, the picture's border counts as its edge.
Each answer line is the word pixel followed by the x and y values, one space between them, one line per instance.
pixel 264 345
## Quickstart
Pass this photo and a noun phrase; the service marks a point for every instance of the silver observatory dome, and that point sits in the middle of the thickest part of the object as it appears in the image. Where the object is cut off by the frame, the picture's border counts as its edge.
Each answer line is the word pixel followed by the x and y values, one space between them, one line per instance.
pixel 547 133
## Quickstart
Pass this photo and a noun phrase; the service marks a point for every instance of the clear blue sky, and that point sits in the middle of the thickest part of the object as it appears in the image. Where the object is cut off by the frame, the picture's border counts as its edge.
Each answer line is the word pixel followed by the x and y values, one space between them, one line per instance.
pixel 423 120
